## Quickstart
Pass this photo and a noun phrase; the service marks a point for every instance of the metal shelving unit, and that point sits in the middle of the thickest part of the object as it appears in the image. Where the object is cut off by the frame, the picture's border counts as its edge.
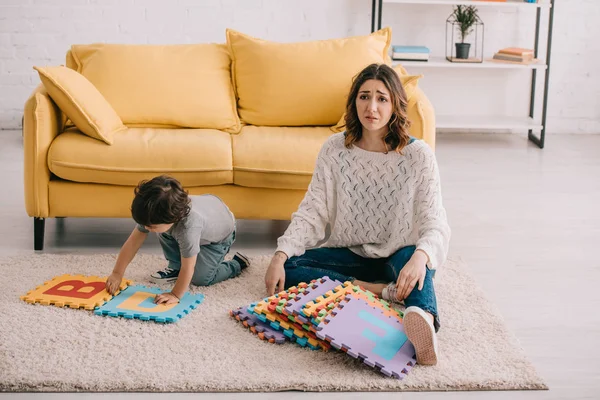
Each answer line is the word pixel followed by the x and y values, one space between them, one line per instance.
pixel 478 122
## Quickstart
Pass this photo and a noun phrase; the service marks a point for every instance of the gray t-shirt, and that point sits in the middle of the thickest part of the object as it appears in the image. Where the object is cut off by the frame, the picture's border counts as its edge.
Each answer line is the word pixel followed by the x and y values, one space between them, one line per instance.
pixel 209 221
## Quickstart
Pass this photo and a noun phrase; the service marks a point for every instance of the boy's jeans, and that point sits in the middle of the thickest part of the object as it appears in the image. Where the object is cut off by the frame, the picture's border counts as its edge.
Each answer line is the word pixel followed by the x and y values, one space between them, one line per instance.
pixel 210 266
pixel 344 265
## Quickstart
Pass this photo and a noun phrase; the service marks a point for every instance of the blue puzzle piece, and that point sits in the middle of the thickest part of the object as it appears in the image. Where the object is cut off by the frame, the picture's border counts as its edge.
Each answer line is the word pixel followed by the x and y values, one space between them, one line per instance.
pixel 138 302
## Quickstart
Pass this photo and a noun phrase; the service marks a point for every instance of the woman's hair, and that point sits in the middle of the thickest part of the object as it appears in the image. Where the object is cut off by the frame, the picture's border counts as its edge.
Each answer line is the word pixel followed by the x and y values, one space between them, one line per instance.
pixel 397 136
pixel 160 200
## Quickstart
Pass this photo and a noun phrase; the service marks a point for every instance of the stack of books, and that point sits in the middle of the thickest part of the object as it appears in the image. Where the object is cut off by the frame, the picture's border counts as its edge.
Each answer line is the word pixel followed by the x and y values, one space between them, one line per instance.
pixel 515 54
pixel 410 53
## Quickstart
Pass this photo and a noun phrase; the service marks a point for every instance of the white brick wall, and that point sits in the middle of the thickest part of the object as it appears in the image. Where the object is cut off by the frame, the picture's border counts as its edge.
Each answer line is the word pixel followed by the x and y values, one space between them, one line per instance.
pixel 39 32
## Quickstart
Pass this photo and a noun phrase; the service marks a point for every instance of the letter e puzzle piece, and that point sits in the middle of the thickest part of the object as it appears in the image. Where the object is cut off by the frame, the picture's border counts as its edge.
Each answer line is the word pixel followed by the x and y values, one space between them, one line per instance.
pixel 138 302
pixel 75 291
pixel 366 333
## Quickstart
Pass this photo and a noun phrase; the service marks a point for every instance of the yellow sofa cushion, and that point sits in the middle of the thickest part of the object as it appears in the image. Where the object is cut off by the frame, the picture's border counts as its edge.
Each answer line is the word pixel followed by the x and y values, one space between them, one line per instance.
pixel 197 157
pixel 81 102
pixel 409 83
pixel 276 157
pixel 299 84
pixel 169 86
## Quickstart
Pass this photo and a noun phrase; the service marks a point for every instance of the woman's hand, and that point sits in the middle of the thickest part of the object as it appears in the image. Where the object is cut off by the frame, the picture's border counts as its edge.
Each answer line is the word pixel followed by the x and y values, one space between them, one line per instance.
pixel 414 271
pixel 166 298
pixel 113 283
pixel 275 276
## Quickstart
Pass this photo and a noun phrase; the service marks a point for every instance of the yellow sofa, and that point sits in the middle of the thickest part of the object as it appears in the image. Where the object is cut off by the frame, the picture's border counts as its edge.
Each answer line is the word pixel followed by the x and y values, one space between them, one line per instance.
pixel 242 120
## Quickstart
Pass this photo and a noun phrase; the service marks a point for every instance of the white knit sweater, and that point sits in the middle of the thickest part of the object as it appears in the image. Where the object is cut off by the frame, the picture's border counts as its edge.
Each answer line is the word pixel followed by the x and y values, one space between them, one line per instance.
pixel 374 203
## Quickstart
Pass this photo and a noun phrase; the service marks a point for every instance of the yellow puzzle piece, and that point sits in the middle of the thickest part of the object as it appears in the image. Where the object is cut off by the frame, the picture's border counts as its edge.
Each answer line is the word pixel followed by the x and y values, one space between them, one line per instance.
pixel 75 291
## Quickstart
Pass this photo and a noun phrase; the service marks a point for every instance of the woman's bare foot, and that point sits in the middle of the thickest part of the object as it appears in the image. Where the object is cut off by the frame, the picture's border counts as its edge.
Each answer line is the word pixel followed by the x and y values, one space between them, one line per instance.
pixel 376 288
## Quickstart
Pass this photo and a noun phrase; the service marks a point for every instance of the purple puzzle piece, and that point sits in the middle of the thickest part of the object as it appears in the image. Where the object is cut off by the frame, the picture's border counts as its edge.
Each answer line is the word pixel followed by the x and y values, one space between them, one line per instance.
pixel 368 334
pixel 261 327
pixel 323 285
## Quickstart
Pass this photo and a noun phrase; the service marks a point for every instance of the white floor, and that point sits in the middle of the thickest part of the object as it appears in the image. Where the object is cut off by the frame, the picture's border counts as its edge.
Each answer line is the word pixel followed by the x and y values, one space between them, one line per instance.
pixel 525 220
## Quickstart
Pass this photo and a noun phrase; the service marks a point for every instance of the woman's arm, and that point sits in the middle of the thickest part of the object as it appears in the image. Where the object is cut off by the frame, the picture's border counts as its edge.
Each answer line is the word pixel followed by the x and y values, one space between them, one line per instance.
pixel 432 222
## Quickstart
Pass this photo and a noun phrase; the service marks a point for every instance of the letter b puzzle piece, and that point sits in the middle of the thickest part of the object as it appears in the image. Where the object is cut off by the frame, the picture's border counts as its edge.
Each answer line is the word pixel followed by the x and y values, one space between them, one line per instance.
pixel 75 291
pixel 138 302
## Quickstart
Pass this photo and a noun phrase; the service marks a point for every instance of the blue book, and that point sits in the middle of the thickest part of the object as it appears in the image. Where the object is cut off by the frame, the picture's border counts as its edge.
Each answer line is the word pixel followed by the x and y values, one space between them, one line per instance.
pixel 410 49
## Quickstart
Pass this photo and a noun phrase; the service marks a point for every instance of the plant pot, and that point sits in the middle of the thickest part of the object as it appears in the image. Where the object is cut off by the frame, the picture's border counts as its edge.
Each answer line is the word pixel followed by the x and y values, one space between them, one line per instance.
pixel 462 50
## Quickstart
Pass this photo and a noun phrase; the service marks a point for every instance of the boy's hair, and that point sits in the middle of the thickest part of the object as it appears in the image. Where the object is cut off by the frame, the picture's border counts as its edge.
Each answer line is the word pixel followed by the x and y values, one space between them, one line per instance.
pixel 160 200
pixel 397 136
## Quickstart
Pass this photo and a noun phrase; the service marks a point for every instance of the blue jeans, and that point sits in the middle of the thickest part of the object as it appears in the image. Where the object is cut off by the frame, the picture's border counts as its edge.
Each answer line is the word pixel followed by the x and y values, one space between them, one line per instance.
pixel 210 265
pixel 344 265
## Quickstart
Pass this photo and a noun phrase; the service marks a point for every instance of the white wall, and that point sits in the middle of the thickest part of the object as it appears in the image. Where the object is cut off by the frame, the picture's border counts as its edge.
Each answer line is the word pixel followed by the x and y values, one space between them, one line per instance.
pixel 39 32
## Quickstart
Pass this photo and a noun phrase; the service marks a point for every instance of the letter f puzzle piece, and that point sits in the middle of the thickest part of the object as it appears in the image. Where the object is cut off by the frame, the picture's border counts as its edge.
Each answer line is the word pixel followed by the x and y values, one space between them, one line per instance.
pixel 365 332
pixel 138 302
pixel 75 291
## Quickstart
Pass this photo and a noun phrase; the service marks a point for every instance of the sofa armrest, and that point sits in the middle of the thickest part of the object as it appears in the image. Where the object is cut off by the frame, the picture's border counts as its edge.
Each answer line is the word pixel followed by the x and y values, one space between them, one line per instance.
pixel 42 122
pixel 422 117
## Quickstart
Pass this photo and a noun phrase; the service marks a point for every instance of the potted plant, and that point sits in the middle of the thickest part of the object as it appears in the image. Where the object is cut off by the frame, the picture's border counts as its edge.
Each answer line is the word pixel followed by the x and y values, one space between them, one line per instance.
pixel 465 18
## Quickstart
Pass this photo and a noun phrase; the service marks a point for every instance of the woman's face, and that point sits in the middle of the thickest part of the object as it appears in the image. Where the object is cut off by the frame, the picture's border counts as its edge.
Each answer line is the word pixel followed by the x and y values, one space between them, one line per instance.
pixel 374 106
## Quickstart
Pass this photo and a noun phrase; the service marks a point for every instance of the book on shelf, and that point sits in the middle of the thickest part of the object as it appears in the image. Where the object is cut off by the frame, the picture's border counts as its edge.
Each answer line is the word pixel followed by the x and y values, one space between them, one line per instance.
pixel 516 51
pixel 514 54
pixel 509 57
pixel 410 53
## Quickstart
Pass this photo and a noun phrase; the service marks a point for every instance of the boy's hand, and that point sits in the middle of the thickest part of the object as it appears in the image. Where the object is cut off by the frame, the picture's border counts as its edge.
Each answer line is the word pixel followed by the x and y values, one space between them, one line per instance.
pixel 166 298
pixel 113 282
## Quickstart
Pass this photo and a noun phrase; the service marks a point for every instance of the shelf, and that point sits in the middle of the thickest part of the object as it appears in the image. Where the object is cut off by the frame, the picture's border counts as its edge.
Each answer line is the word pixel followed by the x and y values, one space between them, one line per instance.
pixel 494 122
pixel 441 62
pixel 508 3
pixel 485 122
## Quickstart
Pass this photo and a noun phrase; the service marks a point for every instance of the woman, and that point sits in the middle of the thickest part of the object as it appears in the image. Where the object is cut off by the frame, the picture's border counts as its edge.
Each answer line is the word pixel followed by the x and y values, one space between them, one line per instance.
pixel 378 191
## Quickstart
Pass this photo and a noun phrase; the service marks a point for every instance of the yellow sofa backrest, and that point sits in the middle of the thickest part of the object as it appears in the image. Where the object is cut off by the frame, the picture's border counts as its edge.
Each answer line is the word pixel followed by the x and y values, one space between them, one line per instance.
pixel 170 85
pixel 266 83
pixel 299 84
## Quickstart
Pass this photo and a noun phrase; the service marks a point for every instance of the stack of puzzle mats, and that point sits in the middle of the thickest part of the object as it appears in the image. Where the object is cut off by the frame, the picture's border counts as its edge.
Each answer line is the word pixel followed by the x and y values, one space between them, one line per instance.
pixel 326 314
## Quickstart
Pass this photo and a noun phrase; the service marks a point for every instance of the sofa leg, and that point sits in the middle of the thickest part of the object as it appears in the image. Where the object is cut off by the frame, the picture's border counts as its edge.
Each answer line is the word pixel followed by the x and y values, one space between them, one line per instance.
pixel 38 233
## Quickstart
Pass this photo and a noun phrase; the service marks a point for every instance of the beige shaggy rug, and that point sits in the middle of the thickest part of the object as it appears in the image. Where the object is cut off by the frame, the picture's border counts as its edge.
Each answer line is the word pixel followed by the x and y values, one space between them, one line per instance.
pixel 47 348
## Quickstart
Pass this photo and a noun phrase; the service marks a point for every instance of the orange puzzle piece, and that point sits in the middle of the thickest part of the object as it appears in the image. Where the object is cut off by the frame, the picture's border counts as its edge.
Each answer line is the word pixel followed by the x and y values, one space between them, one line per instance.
pixel 75 291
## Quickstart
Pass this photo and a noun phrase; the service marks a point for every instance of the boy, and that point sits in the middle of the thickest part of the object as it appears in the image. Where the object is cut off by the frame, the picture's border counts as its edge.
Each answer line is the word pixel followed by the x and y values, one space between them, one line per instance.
pixel 195 233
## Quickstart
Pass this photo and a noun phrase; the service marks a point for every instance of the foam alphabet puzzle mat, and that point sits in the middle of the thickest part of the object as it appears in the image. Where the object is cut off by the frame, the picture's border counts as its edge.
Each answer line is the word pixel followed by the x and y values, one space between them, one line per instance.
pixel 321 287
pixel 365 332
pixel 291 329
pixel 138 302
pixel 75 291
pixel 321 306
pixel 262 329
pixel 280 311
